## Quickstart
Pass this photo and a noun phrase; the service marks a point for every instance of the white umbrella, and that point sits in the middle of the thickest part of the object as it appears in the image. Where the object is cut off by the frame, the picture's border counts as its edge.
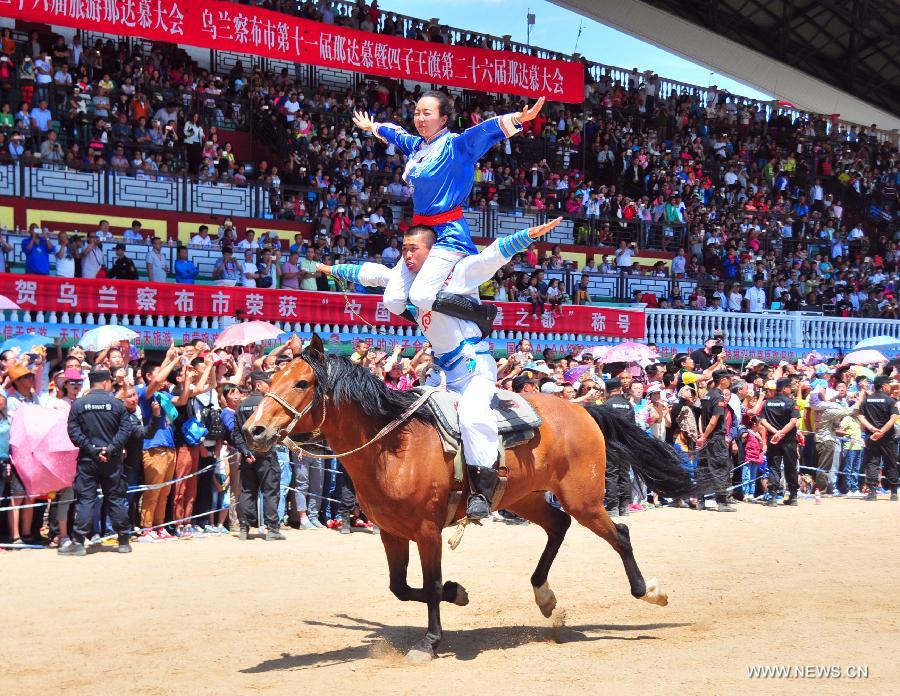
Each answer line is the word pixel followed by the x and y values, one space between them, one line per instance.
pixel 103 337
pixel 879 342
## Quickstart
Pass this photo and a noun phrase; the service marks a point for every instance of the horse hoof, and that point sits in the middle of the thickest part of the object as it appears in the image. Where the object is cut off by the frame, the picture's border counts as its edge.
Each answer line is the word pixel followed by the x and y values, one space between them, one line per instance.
pixel 462 597
pixel 545 599
pixel 420 656
pixel 655 594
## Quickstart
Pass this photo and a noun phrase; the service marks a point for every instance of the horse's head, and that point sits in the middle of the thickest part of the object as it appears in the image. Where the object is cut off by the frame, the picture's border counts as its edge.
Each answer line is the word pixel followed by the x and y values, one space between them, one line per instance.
pixel 291 405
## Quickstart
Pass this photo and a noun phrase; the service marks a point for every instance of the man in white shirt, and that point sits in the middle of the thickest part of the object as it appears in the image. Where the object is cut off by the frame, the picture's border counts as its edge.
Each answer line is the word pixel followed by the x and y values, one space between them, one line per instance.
pixel 624 257
pixel 756 296
pixel 251 270
pixel 92 259
pixel 248 243
pixel 856 233
pixel 202 237
pixel 104 234
pixel 291 107
pixel 735 298
pixel 156 262
pixel 679 264
pixel 377 216
pixel 65 259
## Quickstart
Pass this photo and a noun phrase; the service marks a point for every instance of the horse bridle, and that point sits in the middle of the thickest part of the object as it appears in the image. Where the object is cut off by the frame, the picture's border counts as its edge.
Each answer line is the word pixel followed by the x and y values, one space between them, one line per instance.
pixel 284 433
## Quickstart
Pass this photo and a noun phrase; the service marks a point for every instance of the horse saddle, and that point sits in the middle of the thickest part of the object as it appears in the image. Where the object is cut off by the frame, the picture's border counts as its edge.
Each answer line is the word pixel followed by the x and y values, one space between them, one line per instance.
pixel 517 421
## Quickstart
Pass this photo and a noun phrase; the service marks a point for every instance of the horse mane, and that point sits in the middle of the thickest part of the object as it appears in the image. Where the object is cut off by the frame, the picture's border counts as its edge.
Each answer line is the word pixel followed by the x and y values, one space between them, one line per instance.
pixel 346 382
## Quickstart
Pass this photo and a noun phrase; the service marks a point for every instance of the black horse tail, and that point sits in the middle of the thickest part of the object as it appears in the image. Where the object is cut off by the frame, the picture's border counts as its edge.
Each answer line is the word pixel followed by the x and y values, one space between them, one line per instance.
pixel 657 463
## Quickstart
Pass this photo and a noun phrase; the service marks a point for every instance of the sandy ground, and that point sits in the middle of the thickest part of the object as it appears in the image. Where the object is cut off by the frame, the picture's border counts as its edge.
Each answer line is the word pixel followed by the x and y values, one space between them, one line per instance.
pixel 814 585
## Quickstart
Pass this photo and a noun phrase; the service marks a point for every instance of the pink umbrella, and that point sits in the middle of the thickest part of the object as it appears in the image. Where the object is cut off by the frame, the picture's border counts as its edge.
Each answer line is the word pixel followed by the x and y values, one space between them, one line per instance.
pixel 40 448
pixel 627 352
pixel 864 357
pixel 6 303
pixel 247 332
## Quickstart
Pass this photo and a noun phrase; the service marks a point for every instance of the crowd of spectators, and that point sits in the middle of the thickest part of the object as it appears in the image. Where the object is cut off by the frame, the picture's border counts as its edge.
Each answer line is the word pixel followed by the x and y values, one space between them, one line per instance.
pixel 183 483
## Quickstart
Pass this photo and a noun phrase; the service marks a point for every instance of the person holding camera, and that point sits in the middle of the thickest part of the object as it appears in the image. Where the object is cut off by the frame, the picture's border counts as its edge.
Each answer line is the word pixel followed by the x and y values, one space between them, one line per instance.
pixel 708 355
pixel 37 249
pixel 99 426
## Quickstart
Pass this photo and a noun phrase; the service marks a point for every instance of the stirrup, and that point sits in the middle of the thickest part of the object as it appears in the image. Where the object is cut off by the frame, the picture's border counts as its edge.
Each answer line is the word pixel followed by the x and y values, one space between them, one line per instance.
pixel 478 507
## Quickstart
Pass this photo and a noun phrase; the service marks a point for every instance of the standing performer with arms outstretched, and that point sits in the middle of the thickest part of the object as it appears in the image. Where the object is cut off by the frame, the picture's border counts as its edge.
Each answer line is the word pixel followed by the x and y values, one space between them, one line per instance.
pixel 459 347
pixel 440 169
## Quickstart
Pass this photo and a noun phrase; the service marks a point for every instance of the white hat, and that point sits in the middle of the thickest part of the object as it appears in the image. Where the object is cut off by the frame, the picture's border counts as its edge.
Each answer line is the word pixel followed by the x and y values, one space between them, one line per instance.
pixel 550 388
pixel 654 388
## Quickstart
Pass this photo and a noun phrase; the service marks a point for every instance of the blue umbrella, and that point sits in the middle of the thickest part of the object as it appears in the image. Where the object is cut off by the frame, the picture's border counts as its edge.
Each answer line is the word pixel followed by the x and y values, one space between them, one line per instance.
pixel 879 342
pixel 25 342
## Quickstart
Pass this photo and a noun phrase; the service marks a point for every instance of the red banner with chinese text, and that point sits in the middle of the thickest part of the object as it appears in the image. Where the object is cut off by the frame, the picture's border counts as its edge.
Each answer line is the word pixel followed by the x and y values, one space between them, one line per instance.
pixel 246 29
pixel 95 296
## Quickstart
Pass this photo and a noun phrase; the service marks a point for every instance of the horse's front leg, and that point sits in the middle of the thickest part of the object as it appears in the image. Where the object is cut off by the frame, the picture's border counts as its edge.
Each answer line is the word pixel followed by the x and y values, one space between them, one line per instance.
pixel 429 543
pixel 397 551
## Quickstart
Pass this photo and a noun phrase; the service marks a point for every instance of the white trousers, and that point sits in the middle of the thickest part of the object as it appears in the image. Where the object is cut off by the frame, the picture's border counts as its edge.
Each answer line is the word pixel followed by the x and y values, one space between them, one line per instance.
pixel 420 289
pixel 477 423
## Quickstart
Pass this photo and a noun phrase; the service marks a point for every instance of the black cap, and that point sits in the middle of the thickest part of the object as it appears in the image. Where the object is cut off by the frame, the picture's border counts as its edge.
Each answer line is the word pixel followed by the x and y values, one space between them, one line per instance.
pixel 260 376
pixel 881 380
pixel 519 382
pixel 783 382
pixel 99 374
pixel 612 384
pixel 721 374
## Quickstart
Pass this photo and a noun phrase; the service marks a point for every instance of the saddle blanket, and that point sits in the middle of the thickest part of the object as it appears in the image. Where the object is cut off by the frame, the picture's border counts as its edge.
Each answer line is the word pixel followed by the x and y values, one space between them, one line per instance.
pixel 516 419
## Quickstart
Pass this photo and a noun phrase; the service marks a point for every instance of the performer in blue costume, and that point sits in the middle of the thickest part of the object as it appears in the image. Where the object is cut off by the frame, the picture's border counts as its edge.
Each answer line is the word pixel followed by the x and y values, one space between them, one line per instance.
pixel 440 169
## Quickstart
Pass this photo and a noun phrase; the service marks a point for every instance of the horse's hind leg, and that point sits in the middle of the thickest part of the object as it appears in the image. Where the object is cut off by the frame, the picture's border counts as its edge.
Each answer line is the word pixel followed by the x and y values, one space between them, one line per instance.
pixel 397 551
pixel 555 522
pixel 589 511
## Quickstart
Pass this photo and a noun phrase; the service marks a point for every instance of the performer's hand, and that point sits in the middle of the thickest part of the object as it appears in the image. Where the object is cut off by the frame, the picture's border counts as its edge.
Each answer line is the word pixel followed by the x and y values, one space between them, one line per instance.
pixel 323 268
pixel 528 113
pixel 541 230
pixel 362 120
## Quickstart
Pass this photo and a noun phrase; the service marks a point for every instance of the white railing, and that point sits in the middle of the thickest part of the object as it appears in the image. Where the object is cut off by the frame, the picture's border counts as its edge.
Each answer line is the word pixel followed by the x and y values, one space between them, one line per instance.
pixel 794 330
pixel 771 329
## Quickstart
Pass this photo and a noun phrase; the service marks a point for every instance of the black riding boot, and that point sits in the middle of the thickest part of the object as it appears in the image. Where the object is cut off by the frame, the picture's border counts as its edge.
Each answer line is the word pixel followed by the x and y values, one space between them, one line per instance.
pixel 466 308
pixel 482 482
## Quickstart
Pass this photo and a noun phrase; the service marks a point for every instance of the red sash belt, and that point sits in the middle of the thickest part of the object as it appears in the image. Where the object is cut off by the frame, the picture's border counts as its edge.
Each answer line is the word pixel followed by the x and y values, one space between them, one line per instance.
pixel 439 219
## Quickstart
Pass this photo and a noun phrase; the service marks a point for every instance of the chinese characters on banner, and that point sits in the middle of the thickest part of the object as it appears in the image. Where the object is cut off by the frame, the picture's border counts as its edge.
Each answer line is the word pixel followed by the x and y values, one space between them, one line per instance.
pixel 247 29
pixel 83 296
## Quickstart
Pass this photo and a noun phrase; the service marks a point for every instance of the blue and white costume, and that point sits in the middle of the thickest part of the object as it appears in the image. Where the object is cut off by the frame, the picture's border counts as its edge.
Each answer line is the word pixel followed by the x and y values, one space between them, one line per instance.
pixel 459 349
pixel 440 173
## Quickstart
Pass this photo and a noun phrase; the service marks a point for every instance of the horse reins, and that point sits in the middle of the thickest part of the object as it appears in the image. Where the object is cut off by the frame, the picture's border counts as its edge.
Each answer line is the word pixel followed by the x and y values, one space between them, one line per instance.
pixel 296 447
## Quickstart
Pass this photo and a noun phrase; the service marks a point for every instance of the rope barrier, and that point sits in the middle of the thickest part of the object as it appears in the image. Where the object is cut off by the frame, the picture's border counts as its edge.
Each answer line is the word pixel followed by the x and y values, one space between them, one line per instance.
pixel 133 489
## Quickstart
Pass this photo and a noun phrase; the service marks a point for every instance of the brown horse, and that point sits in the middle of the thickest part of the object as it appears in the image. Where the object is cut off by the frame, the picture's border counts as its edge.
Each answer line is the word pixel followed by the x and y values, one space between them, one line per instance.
pixel 403 480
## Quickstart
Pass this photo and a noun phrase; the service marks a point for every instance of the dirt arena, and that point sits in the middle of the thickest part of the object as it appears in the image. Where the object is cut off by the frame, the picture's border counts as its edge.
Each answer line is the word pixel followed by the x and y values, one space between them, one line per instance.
pixel 814 585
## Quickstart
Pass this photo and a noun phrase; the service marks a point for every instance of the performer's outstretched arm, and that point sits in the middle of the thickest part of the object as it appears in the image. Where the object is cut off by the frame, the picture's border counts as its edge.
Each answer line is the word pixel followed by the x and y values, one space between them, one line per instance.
pixel 372 275
pixel 475 141
pixel 388 133
pixel 472 271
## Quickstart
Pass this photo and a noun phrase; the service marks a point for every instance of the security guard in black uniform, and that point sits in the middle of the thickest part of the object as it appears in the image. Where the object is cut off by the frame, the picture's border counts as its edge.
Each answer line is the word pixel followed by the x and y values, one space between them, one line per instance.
pixel 878 414
pixel 712 443
pixel 618 484
pixel 779 417
pixel 259 470
pixel 99 427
